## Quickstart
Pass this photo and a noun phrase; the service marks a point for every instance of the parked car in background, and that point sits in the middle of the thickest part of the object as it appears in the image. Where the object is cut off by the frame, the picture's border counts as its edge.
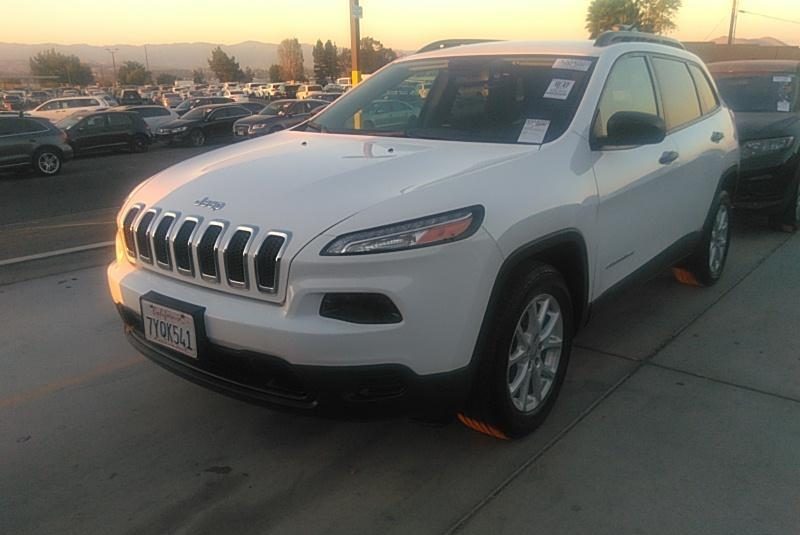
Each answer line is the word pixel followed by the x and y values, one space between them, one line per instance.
pixel 171 100
pixel 192 103
pixel 334 88
pixel 388 114
pixel 10 102
pixel 32 142
pixel 35 98
pixel 154 116
pixel 106 130
pixel 70 93
pixel 765 97
pixel 202 125
pixel 129 97
pixel 60 108
pixel 253 107
pixel 439 266
pixel 289 90
pixel 305 90
pixel 279 115
pixel 237 95
pixel 327 97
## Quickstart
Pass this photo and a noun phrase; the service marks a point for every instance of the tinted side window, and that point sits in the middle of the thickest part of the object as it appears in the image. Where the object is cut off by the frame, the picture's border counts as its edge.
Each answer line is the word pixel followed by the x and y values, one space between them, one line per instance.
pixel 119 120
pixel 681 105
pixel 9 126
pixel 708 98
pixel 160 112
pixel 629 88
pixel 29 125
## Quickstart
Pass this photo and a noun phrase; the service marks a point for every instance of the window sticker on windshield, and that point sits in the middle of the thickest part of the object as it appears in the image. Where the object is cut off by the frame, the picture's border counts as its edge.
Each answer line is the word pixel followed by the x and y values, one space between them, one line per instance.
pixel 559 89
pixel 782 79
pixel 784 106
pixel 534 131
pixel 571 64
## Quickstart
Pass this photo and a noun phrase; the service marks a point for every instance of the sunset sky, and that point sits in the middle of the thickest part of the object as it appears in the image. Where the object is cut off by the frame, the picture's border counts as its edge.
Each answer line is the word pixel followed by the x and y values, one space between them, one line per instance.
pixel 401 24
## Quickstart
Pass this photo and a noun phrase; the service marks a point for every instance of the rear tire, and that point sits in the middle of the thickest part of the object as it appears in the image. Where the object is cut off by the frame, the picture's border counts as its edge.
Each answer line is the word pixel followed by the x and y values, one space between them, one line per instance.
pixel 139 144
pixel 197 138
pixel 525 359
pixel 47 162
pixel 708 261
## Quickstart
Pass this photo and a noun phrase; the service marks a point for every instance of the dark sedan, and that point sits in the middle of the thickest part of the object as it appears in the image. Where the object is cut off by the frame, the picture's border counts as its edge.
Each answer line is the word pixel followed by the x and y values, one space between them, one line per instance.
pixel 203 124
pixel 765 96
pixel 191 103
pixel 32 142
pixel 106 130
pixel 279 115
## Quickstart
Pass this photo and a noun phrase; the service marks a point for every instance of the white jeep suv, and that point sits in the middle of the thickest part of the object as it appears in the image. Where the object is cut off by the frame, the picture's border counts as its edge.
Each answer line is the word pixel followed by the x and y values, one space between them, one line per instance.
pixel 441 266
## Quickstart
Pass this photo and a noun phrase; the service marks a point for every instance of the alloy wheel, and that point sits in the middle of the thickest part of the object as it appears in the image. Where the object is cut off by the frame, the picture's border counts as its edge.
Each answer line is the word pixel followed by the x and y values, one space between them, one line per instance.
pixel 718 245
pixel 48 163
pixel 535 353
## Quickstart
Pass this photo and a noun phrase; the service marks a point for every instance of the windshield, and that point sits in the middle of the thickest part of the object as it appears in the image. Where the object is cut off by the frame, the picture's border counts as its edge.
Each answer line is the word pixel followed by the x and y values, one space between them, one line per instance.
pixel 197 113
pixel 275 108
pixel 70 121
pixel 761 92
pixel 515 99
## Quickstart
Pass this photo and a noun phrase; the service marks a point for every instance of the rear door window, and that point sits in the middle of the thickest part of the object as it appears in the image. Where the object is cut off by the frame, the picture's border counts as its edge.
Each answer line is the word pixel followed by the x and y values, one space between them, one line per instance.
pixel 708 98
pixel 681 104
pixel 629 88
pixel 120 120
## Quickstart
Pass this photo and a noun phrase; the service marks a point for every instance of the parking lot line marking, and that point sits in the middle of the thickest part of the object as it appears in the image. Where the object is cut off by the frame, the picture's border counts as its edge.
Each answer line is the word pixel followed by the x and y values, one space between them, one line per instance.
pixel 61 384
pixel 59 252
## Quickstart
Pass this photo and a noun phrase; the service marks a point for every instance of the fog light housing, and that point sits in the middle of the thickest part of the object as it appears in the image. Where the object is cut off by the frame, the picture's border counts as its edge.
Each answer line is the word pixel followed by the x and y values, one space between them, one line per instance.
pixel 362 308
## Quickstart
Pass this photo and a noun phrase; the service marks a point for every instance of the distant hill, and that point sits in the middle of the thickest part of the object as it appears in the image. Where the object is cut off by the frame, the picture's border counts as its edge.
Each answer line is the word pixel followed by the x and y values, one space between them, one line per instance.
pixel 175 56
pixel 762 41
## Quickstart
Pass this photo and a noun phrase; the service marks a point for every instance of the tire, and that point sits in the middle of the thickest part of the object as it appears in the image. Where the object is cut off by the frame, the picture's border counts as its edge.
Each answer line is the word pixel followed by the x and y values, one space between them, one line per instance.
pixel 537 308
pixel 707 263
pixel 789 219
pixel 47 161
pixel 197 138
pixel 139 144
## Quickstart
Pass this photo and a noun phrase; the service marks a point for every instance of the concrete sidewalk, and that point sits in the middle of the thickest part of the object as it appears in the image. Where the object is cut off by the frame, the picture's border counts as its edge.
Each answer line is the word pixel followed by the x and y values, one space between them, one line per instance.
pixel 704 437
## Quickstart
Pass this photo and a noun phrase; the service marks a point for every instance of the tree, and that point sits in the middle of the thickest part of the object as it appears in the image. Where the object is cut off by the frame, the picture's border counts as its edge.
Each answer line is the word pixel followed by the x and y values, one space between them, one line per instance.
pixel 653 16
pixel 66 69
pixel 331 60
pixel 225 67
pixel 374 55
pixel 320 67
pixel 166 79
pixel 198 76
pixel 290 56
pixel 247 75
pixel 344 62
pixel 275 73
pixel 133 73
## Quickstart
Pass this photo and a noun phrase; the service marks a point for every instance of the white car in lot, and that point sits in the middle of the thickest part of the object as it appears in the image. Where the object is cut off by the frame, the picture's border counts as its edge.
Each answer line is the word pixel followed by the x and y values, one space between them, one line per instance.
pixel 308 91
pixel 59 108
pixel 237 95
pixel 153 115
pixel 444 265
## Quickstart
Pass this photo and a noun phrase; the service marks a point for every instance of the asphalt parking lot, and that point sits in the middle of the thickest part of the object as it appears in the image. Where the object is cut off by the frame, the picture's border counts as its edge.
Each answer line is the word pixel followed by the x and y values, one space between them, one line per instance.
pixel 680 413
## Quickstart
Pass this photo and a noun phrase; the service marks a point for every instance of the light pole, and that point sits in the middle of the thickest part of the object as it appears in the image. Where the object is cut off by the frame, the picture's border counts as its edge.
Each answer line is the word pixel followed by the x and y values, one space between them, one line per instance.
pixel 732 30
pixel 113 51
pixel 355 40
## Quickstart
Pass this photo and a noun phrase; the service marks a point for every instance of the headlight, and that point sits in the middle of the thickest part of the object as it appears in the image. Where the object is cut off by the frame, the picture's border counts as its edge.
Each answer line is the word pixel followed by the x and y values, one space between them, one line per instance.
pixel 257 126
pixel 180 129
pixel 760 147
pixel 423 232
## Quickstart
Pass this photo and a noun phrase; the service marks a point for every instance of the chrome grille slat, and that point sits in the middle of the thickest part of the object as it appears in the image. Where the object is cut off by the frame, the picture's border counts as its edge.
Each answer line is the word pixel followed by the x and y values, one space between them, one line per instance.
pixel 128 232
pixel 207 249
pixel 235 255
pixel 143 236
pixel 267 262
pixel 161 250
pixel 182 246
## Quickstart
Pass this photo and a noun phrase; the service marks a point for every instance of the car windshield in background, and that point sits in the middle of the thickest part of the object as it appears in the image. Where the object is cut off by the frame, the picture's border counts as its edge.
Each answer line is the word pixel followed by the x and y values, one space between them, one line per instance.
pixel 762 92
pixel 275 108
pixel 514 99
pixel 197 113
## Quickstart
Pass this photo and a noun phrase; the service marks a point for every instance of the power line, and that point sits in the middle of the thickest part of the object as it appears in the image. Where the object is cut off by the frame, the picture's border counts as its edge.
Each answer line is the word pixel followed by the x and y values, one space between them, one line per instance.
pixel 769 17
pixel 715 27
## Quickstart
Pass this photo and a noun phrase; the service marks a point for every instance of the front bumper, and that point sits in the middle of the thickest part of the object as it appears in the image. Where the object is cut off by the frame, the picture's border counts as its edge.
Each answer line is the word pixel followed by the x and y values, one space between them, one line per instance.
pixel 351 391
pixel 767 184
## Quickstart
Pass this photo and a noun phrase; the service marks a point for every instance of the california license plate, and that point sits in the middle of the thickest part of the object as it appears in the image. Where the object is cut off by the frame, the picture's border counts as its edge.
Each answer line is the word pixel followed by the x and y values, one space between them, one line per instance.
pixel 170 328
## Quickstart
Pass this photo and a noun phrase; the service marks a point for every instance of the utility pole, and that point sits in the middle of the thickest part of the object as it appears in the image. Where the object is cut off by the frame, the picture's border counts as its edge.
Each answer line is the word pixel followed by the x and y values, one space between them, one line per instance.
pixel 355 40
pixel 146 59
pixel 113 51
pixel 732 30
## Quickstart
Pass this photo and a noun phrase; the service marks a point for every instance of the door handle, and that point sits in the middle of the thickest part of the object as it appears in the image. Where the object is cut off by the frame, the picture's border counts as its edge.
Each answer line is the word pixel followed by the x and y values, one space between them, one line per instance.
pixel 716 137
pixel 668 157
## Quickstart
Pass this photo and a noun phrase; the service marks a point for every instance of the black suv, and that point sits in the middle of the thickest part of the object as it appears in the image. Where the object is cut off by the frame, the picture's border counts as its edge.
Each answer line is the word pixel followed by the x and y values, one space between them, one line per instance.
pixel 203 124
pixel 191 103
pixel 106 130
pixel 765 97
pixel 32 142
pixel 279 115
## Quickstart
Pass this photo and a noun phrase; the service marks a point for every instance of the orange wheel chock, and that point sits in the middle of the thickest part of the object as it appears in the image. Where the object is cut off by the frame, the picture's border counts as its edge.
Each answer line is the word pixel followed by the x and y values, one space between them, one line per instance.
pixel 685 277
pixel 481 427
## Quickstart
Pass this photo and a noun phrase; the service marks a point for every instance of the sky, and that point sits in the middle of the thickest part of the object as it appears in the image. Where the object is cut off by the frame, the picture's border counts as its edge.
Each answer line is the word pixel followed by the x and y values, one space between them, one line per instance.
pixel 400 24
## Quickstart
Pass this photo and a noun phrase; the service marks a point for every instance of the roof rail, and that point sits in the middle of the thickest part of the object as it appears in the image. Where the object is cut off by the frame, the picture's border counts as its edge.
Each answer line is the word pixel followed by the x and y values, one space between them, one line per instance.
pixel 450 43
pixel 612 38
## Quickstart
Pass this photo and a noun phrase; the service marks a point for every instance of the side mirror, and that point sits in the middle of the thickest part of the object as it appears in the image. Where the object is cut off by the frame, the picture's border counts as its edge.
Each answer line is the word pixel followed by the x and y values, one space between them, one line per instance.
pixel 632 128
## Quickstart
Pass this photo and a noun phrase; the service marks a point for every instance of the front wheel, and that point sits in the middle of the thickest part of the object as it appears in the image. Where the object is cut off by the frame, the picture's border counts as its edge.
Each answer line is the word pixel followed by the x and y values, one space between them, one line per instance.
pixel 139 144
pixel 197 138
pixel 707 263
pixel 525 360
pixel 47 162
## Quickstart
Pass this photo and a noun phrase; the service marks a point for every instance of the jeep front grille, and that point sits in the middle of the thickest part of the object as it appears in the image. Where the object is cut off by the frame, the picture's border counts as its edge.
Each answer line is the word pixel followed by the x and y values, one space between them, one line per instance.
pixel 239 257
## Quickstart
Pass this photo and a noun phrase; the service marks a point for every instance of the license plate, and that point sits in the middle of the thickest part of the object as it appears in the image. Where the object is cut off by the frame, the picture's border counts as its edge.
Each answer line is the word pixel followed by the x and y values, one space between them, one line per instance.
pixel 170 328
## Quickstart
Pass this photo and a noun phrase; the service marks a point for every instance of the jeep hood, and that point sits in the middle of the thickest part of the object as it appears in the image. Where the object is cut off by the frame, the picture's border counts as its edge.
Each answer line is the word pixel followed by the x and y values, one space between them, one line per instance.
pixel 304 183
